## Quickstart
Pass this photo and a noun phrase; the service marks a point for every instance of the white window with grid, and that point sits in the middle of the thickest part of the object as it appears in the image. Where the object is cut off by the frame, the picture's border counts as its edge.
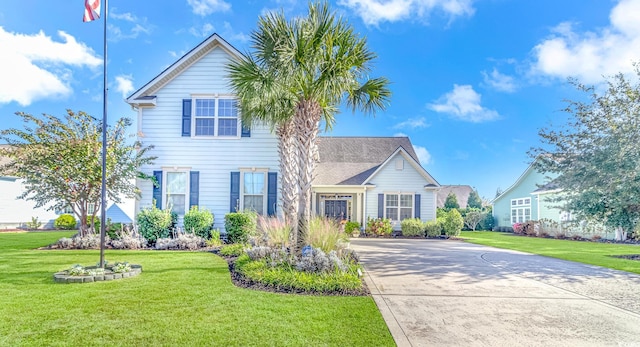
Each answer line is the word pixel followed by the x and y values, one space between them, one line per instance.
pixel 216 117
pixel 176 192
pixel 520 210
pixel 398 207
pixel 254 191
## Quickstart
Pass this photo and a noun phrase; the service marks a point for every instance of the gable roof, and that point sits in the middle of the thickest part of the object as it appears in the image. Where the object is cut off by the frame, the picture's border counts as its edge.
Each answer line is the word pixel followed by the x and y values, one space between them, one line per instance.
pixel 117 215
pixel 353 160
pixel 144 96
pixel 460 191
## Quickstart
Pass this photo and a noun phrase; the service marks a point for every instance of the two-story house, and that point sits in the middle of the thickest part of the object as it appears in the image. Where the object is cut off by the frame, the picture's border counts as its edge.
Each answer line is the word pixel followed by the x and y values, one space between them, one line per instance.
pixel 206 156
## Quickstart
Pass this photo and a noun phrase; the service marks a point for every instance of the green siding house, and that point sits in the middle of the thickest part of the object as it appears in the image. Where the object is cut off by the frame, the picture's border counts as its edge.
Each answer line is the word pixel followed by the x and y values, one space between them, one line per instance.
pixel 526 200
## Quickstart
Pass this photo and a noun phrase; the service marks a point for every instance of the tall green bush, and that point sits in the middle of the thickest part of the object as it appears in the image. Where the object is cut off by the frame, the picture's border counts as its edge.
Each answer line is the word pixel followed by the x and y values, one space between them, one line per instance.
pixel 488 222
pixel 412 227
pixel 433 228
pixel 154 223
pixel 239 225
pixel 199 222
pixel 453 223
pixel 65 222
pixel 351 227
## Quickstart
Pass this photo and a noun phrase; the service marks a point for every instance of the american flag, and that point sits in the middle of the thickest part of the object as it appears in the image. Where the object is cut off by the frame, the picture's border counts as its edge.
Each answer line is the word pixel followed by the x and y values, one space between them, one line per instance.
pixel 91 10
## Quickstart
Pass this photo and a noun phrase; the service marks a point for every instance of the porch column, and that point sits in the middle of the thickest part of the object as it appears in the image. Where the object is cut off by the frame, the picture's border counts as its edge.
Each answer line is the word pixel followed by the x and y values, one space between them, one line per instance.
pixel 314 205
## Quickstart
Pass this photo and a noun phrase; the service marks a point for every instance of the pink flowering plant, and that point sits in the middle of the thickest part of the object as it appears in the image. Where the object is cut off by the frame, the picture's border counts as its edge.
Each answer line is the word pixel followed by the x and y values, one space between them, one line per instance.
pixel 379 226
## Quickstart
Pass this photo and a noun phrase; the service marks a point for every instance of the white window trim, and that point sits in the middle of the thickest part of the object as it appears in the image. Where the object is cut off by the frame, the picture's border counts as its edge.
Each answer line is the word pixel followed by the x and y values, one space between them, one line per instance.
pixel 216 118
pixel 413 204
pixel 265 194
pixel 173 169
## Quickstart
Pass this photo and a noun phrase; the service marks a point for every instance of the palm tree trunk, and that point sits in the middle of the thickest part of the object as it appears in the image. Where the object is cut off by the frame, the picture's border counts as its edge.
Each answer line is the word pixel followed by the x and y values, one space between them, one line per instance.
pixel 307 118
pixel 288 174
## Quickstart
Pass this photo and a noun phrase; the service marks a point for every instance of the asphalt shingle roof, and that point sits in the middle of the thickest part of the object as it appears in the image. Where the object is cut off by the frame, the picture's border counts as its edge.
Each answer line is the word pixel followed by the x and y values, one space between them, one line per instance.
pixel 460 191
pixel 351 160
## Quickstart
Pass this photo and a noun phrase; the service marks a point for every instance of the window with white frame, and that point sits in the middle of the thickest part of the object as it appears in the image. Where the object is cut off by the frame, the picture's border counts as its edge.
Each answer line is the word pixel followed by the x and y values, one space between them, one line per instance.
pixel 398 206
pixel 520 210
pixel 254 191
pixel 176 191
pixel 216 117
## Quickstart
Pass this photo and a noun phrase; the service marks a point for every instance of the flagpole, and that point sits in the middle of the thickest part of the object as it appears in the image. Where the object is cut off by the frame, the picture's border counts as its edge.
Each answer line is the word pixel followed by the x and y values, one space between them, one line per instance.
pixel 103 194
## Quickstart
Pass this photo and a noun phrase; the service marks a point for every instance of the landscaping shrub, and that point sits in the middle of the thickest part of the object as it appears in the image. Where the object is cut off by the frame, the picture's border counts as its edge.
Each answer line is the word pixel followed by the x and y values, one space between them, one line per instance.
pixel 433 228
pixel 412 227
pixel 325 234
pixel 233 250
pixel 199 222
pixel 182 241
pixel 96 223
pixel 453 223
pixel 35 224
pixel 90 241
pixel 154 223
pixel 65 222
pixel 271 232
pixel 379 226
pixel 114 230
pixel 318 261
pixel 351 227
pixel 240 225
pixel 488 222
pixel 128 238
pixel 214 240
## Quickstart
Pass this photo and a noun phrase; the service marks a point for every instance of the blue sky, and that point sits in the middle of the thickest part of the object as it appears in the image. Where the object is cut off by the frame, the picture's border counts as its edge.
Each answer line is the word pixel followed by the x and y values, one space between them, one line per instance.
pixel 472 80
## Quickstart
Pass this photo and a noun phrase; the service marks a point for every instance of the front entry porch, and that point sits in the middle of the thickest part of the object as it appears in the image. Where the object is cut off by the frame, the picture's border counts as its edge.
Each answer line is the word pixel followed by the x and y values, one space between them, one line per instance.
pixel 339 204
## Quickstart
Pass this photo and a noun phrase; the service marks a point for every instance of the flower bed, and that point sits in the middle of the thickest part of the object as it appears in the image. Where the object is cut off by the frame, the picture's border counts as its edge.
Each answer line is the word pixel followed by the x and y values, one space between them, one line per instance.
pixel 78 274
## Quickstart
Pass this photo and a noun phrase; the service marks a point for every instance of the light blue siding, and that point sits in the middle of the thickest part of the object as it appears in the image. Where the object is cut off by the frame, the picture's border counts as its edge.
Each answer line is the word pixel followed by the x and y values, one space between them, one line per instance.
pixel 408 180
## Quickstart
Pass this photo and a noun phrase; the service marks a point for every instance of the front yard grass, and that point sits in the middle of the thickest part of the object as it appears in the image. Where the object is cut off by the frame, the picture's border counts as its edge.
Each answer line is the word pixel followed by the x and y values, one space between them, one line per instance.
pixel 594 253
pixel 181 298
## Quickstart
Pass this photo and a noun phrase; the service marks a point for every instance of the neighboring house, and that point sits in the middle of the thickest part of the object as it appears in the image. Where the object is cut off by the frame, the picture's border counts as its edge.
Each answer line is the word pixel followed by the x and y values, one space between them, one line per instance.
pixel 527 199
pixel 206 157
pixel 369 177
pixel 15 213
pixel 460 191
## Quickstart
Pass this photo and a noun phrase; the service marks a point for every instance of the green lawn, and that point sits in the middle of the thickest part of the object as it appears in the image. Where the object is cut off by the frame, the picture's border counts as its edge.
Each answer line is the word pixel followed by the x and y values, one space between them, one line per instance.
pixel 594 253
pixel 180 299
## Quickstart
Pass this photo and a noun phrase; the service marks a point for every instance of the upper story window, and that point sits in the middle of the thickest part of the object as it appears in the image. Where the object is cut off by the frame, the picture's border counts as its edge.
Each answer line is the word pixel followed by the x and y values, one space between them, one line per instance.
pixel 215 117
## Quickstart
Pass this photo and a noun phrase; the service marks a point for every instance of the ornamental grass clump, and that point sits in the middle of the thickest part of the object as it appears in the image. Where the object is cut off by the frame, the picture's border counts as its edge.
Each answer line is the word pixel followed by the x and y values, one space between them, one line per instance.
pixel 272 232
pixel 325 234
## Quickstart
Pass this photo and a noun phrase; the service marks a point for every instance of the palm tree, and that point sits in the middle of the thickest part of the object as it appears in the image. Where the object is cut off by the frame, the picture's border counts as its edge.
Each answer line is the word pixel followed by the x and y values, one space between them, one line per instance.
pixel 299 73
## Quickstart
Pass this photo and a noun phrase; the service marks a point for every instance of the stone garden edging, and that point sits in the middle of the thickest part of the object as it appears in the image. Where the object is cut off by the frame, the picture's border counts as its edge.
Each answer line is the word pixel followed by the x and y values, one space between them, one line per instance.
pixel 62 277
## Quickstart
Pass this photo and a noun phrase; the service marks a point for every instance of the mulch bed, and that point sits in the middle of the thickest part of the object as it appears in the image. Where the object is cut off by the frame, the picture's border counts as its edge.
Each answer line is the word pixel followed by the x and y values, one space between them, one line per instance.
pixel 628 256
pixel 239 280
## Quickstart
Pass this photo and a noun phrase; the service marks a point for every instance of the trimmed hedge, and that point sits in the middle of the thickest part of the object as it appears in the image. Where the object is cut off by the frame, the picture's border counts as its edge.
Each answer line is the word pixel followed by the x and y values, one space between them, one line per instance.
pixel 412 227
pixel 239 225
pixel 65 222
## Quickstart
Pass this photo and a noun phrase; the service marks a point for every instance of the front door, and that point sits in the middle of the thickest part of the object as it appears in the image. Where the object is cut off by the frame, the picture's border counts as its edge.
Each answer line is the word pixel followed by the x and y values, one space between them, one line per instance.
pixel 336 209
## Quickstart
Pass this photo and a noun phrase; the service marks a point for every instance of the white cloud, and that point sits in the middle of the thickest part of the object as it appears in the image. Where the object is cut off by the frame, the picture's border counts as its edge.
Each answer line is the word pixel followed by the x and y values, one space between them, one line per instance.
pixel 463 103
pixel 590 55
pixel 412 123
pixel 127 16
pixel 400 135
pixel 423 155
pixel 207 7
pixel 233 35
pixel 35 67
pixel 373 12
pixel 124 84
pixel 207 28
pixel 116 34
pixel 498 81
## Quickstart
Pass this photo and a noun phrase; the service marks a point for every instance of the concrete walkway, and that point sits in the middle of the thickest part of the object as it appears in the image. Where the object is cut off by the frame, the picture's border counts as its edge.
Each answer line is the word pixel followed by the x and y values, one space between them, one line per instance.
pixel 451 293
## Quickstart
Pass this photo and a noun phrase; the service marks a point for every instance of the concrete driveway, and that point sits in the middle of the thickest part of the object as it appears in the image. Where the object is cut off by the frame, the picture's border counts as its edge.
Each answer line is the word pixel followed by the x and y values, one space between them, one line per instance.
pixel 451 293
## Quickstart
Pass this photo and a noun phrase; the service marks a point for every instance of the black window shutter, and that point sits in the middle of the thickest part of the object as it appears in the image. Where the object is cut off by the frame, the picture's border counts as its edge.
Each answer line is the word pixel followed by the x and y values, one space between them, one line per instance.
pixel 380 205
pixel 234 199
pixel 416 208
pixel 246 131
pixel 157 188
pixel 272 193
pixel 186 117
pixel 194 188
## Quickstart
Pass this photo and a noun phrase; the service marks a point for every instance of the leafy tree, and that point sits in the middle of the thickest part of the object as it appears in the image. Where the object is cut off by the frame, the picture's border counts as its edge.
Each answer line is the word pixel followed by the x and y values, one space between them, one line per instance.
pixel 451 202
pixel 474 201
pixel 299 73
pixel 472 218
pixel 60 162
pixel 596 154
